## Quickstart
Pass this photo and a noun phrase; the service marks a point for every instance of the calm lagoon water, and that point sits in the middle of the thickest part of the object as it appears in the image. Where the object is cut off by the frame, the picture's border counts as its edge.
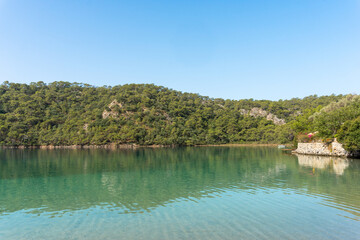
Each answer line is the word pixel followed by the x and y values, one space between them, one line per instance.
pixel 177 193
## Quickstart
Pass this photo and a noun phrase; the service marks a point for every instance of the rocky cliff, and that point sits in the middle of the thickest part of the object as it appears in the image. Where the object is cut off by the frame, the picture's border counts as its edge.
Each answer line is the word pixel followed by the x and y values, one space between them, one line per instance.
pixel 258 112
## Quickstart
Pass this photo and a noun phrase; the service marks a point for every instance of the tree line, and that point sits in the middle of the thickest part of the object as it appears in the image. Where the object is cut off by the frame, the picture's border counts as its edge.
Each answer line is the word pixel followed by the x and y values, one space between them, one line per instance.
pixel 63 113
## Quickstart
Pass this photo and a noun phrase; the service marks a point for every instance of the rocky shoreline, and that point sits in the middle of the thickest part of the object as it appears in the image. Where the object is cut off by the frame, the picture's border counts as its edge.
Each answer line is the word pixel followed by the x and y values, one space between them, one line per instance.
pixel 134 146
pixel 324 149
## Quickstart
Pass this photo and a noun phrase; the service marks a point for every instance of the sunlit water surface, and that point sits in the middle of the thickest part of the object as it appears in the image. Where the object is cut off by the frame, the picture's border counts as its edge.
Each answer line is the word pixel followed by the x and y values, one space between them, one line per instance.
pixel 177 193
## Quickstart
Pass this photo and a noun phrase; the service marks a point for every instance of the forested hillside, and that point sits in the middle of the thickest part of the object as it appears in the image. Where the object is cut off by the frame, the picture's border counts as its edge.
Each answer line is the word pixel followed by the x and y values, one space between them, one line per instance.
pixel 339 119
pixel 63 113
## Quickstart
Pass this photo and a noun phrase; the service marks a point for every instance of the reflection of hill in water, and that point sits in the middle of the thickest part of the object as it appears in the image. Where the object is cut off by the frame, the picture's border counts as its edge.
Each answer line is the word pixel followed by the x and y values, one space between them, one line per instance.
pixel 338 165
pixel 66 180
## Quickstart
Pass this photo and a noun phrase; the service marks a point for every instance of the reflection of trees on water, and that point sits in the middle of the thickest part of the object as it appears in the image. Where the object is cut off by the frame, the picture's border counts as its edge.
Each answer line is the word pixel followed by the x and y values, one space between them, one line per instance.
pixel 140 180
pixel 337 164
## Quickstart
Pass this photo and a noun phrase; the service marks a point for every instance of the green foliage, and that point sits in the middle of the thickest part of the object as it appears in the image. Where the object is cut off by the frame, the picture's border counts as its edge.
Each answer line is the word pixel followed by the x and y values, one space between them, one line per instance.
pixel 349 135
pixel 330 119
pixel 63 113
pixel 337 119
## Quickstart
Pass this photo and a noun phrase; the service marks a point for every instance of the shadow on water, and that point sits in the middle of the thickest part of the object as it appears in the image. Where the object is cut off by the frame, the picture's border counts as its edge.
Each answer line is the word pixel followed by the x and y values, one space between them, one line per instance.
pixel 140 180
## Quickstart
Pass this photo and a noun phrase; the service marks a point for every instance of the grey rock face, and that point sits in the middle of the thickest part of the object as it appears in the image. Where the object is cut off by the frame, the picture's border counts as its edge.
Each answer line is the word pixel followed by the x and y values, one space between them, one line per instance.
pixel 258 112
pixel 111 113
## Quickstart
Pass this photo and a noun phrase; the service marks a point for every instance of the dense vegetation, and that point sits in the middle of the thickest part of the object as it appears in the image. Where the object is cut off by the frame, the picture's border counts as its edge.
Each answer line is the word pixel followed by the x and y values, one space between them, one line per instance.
pixel 63 113
pixel 340 119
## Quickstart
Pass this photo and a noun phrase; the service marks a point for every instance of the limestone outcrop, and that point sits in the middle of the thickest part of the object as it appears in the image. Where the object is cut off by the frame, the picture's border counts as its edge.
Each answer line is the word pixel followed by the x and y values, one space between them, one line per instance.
pixel 112 113
pixel 258 112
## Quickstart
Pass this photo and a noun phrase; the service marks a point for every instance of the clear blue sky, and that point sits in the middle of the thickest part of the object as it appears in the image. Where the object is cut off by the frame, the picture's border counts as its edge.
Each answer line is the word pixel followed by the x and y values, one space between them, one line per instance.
pixel 230 49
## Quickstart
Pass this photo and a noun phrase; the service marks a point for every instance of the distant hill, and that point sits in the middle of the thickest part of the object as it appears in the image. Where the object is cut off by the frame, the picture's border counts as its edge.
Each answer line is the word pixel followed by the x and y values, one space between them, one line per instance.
pixel 63 113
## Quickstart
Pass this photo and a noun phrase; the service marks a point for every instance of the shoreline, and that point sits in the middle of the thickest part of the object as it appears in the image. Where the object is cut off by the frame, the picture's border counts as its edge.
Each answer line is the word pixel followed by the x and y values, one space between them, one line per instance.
pixel 135 146
pixel 242 145
pixel 333 149
pixel 351 156
pixel 106 146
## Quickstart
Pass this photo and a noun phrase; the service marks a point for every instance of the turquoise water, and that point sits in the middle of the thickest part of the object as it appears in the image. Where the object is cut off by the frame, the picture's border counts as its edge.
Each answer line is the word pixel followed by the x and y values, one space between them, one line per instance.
pixel 177 193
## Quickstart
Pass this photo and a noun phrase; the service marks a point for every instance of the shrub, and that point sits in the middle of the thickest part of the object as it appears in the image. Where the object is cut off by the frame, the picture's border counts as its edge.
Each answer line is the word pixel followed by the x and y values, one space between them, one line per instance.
pixel 349 135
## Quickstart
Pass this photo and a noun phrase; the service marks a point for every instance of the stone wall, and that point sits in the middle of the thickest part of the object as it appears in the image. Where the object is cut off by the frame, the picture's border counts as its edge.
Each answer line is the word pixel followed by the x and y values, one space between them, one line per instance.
pixel 326 149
